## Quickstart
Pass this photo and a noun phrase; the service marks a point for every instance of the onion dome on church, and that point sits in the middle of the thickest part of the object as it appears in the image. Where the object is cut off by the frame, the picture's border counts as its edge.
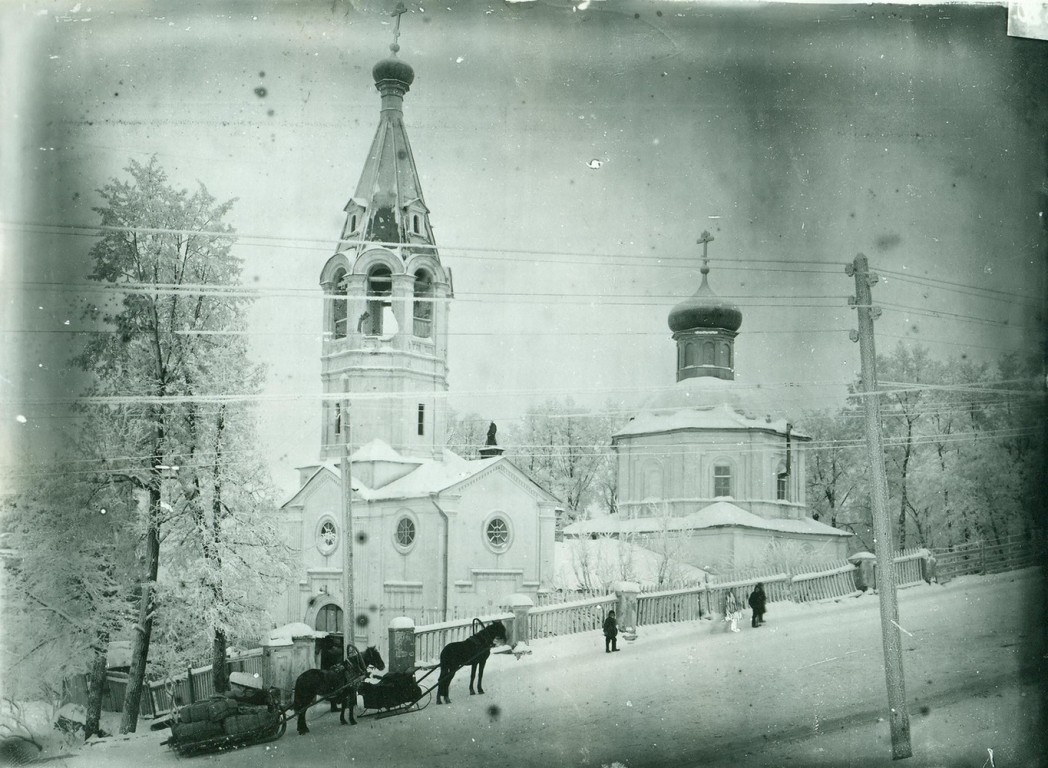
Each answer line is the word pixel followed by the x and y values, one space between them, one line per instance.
pixel 393 68
pixel 704 328
pixel 705 310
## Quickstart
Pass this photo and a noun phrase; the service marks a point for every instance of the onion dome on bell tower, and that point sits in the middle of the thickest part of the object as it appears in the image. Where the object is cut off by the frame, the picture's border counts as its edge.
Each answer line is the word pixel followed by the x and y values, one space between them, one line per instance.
pixel 704 327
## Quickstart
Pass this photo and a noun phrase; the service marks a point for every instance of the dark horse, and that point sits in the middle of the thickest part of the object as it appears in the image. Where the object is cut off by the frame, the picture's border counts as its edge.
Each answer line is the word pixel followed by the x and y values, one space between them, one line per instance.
pixel 473 651
pixel 336 684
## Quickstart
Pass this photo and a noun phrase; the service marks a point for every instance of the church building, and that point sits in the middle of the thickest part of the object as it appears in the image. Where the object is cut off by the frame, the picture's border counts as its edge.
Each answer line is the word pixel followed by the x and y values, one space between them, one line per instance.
pixel 710 465
pixel 433 535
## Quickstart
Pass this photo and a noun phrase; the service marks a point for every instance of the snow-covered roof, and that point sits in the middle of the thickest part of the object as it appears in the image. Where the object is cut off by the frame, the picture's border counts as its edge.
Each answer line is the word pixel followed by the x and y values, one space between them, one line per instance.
pixel 429 475
pixel 377 450
pixel 285 635
pixel 604 561
pixel 717 514
pixel 710 403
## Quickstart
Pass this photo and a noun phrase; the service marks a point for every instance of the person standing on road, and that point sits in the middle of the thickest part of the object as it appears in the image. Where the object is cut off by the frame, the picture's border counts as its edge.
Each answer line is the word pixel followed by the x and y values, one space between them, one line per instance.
pixel 758 602
pixel 731 611
pixel 611 633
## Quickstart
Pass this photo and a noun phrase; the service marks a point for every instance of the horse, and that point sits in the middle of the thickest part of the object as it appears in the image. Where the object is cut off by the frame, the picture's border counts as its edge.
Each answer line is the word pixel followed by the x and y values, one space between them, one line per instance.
pixel 336 684
pixel 473 651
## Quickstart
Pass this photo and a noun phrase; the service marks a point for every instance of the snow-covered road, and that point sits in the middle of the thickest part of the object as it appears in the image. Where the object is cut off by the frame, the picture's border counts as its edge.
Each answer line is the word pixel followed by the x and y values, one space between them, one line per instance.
pixel 690 694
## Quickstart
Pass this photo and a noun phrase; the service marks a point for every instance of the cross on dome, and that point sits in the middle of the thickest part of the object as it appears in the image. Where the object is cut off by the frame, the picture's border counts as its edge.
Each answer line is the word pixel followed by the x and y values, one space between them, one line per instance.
pixel 399 11
pixel 704 240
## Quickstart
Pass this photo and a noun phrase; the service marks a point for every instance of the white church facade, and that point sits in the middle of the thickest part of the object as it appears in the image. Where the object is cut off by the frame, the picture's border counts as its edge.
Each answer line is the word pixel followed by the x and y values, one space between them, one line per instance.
pixel 710 465
pixel 433 535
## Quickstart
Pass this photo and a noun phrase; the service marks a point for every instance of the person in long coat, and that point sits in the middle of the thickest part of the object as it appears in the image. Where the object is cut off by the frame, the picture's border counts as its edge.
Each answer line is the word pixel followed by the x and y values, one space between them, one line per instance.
pixel 758 602
pixel 611 633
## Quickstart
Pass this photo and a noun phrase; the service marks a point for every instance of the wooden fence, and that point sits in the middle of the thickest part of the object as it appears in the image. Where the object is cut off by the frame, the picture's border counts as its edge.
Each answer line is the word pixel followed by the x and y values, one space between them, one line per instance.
pixel 1007 554
pixel 569 618
pixel 431 638
pixel 195 684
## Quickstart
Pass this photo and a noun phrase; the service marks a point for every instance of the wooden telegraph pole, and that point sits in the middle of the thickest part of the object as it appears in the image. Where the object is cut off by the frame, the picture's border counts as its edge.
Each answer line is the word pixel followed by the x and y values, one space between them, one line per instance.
pixel 348 616
pixel 899 718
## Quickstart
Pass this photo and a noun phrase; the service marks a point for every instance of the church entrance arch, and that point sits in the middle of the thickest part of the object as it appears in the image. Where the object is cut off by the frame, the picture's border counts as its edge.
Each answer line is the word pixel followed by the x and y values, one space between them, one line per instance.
pixel 326 616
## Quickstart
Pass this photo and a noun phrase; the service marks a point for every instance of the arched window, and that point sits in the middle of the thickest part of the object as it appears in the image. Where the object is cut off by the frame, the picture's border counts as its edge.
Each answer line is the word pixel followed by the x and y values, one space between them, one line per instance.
pixel 338 418
pixel 691 354
pixel 353 223
pixel 782 483
pixel 707 353
pixel 722 355
pixel 722 480
pixel 422 325
pixel 339 308
pixel 379 319
pixel 416 224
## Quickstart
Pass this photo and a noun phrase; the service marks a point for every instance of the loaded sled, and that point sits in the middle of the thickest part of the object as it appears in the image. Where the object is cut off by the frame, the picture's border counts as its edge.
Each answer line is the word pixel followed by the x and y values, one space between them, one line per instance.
pixel 221 723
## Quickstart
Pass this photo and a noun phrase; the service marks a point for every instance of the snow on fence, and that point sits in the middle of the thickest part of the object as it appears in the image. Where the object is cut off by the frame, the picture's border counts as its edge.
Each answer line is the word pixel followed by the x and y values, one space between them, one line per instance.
pixel 569 618
pixel 686 604
pixel 908 568
pixel 834 582
pixel 431 638
pixel 196 684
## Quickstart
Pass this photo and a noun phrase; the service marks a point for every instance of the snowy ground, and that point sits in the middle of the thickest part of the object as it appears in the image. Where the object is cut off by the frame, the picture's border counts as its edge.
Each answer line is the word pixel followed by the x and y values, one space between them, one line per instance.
pixel 808 688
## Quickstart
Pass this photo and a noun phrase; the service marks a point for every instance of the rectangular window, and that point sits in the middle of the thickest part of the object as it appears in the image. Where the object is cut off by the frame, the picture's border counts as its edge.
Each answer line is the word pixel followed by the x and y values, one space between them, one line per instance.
pixel 338 419
pixel 722 480
pixel 780 489
pixel 421 419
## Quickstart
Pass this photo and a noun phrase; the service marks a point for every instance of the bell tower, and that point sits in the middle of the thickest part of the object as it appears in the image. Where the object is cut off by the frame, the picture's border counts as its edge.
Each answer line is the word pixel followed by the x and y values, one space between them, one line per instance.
pixel 386 297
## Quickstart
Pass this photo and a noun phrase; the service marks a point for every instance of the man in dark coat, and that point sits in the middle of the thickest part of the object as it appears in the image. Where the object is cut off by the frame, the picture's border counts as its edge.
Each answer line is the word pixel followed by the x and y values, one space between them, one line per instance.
pixel 758 602
pixel 611 633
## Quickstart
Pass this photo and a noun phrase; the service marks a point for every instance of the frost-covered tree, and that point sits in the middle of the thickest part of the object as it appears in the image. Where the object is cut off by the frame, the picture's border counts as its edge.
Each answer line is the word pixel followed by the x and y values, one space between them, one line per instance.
pixel 564 449
pixel 835 467
pixel 68 583
pixel 172 318
pixel 466 433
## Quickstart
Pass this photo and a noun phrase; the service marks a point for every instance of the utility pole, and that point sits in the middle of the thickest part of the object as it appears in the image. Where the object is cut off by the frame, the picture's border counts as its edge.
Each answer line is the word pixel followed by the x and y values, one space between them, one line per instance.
pixel 348 616
pixel 899 718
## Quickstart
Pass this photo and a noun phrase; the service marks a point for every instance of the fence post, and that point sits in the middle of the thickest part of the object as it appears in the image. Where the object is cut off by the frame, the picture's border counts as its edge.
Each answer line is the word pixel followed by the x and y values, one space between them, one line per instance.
pixel 189 684
pixel 982 556
pixel 520 606
pixel 401 644
pixel 865 570
pixel 626 600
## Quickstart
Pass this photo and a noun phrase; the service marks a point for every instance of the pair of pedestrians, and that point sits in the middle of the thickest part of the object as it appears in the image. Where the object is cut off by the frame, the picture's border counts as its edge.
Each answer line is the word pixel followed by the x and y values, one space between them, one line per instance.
pixel 758 601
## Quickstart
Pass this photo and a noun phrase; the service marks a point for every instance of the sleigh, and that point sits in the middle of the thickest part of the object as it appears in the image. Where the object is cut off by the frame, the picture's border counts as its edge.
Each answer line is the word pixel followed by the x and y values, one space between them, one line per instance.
pixel 219 724
pixel 394 693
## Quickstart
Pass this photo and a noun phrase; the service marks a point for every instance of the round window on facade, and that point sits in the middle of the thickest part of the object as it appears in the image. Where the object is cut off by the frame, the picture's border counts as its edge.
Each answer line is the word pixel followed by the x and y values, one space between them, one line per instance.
pixel 404 535
pixel 327 536
pixel 497 534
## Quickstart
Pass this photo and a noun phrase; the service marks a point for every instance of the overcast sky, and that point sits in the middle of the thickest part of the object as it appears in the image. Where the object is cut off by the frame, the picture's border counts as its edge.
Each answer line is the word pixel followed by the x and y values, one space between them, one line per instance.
pixel 570 158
